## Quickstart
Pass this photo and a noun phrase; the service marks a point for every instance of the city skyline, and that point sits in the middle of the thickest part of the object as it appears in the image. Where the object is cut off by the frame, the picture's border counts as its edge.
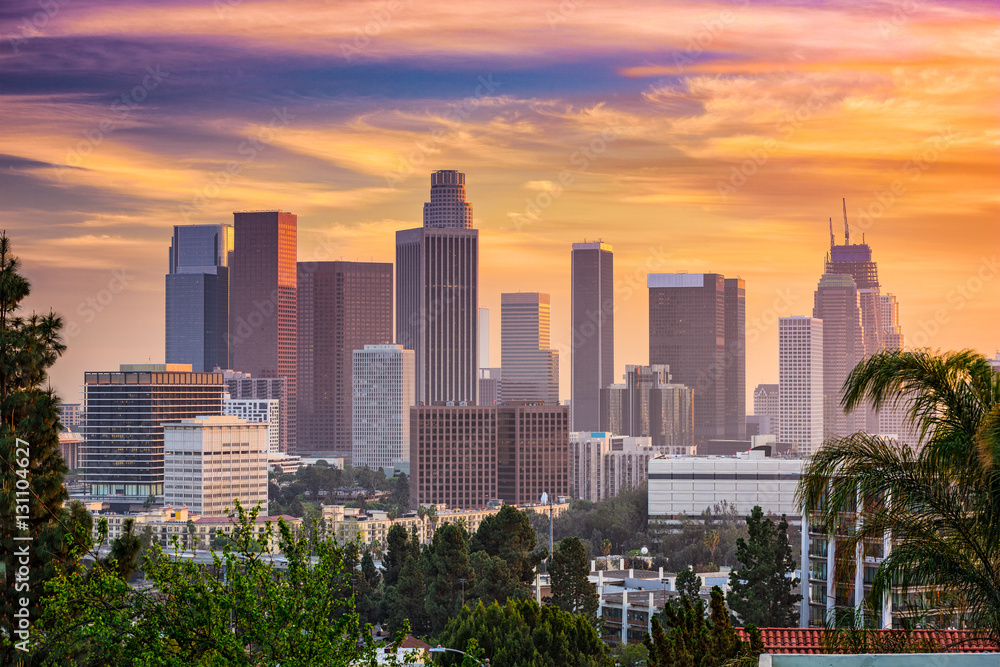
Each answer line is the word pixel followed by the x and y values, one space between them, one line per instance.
pixel 696 143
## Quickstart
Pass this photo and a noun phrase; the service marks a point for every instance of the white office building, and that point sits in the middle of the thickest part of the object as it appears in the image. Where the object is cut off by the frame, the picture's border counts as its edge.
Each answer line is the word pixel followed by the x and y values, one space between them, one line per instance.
pixel 384 390
pixel 601 464
pixel 257 411
pixel 800 384
pixel 209 461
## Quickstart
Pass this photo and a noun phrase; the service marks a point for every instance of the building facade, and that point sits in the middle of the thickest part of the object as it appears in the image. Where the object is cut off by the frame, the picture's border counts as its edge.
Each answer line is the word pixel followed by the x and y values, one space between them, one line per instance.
pixel 532 452
pixel 765 405
pixel 800 383
pixel 197 296
pixel 697 327
pixel 383 387
pixel 122 458
pixel 257 411
pixel 210 461
pixel 437 294
pixel 530 369
pixel 592 340
pixel 648 405
pixel 342 306
pixel 263 303
pixel 602 464
pixel 836 302
pixel 490 386
pixel 243 386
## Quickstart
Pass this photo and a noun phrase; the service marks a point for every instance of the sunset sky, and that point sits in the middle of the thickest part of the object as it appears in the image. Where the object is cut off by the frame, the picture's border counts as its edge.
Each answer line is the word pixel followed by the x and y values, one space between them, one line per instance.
pixel 693 137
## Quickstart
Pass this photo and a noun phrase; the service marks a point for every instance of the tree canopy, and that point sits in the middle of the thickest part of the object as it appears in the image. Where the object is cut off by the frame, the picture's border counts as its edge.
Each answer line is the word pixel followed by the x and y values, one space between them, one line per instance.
pixel 760 593
pixel 570 585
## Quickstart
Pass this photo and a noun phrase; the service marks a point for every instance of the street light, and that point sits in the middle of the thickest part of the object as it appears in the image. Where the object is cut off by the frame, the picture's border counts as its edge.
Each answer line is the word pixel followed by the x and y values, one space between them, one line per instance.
pixel 442 649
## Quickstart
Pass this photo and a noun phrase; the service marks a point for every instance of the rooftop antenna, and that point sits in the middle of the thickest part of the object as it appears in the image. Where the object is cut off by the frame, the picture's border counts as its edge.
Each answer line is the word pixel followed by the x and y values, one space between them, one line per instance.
pixel 831 233
pixel 847 230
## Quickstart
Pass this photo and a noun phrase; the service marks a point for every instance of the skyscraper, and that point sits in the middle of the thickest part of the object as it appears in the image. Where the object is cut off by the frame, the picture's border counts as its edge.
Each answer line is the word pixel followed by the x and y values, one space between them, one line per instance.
pixel 437 294
pixel 800 382
pixel 241 386
pixel 530 370
pixel 342 306
pixel 383 396
pixel 592 340
pixel 649 405
pixel 697 327
pixel 197 296
pixel 263 302
pixel 484 337
pixel 836 303
pixel 765 404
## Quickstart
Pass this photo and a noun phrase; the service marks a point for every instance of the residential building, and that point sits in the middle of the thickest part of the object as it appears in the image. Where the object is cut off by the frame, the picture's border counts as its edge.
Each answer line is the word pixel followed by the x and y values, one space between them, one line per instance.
pixel 602 464
pixel 197 296
pixel 530 369
pixel 211 461
pixel 342 306
pixel 648 405
pixel 122 459
pixel 243 386
pixel 263 304
pixel 592 340
pixel 437 294
pixel 71 416
pixel 257 411
pixel 800 381
pixel 383 387
pixel 697 327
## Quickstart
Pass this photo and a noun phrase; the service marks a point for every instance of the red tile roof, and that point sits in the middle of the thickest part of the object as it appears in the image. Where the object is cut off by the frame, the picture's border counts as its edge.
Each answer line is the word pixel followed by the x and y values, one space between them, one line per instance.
pixel 814 640
pixel 412 642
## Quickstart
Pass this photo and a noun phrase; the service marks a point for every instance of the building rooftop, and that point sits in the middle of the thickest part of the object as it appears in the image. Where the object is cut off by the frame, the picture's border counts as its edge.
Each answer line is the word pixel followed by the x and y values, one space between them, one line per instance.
pixel 816 640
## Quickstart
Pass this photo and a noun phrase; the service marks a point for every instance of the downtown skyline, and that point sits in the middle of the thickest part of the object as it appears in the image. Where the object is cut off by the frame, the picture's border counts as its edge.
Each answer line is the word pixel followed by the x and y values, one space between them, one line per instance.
pixel 640 123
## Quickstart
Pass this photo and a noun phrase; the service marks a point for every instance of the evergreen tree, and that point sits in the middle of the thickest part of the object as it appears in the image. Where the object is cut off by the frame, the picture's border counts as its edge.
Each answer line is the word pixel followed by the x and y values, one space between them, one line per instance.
pixel 495 580
pixel 688 638
pixel 759 592
pixel 571 587
pixel 405 601
pixel 397 549
pixel 509 535
pixel 125 550
pixel 31 482
pixel 688 583
pixel 446 563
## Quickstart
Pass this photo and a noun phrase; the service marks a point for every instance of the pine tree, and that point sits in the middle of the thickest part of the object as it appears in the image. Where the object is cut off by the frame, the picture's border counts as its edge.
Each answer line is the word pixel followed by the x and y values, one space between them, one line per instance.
pixel 688 583
pixel 31 482
pixel 446 563
pixel 571 587
pixel 687 638
pixel 509 535
pixel 759 592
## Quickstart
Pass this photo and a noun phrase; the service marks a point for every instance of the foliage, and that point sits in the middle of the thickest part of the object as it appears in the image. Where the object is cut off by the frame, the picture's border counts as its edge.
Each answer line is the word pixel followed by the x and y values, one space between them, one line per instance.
pixel 446 563
pixel 759 592
pixel 524 634
pixel 508 534
pixel 241 610
pixel 620 520
pixel 941 505
pixel 630 655
pixel 688 583
pixel 495 580
pixel 571 588
pixel 856 636
pixel 703 542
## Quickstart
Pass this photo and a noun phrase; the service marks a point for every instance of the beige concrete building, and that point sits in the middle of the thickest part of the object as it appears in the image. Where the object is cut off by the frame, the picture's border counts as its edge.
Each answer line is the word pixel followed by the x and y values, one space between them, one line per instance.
pixel 602 464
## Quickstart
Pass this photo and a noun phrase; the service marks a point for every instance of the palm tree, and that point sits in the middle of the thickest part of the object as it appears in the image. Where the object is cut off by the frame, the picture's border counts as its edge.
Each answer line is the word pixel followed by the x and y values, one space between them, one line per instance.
pixel 941 504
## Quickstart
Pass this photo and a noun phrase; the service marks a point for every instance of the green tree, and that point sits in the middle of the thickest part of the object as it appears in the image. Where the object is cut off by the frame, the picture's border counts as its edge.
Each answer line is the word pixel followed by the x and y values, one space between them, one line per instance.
pixel 397 549
pixel 687 637
pixel 688 583
pixel 571 587
pixel 495 580
pixel 759 592
pixel 522 633
pixel 508 534
pixel 446 563
pixel 125 550
pixel 404 603
pixel 941 504
pixel 31 479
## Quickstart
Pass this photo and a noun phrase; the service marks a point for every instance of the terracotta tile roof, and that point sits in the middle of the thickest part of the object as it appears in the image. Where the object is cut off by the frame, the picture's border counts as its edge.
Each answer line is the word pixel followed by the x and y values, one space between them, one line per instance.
pixel 811 640
pixel 410 642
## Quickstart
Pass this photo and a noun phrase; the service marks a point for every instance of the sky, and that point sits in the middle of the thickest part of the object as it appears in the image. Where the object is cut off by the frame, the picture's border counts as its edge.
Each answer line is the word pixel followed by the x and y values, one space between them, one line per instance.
pixel 692 137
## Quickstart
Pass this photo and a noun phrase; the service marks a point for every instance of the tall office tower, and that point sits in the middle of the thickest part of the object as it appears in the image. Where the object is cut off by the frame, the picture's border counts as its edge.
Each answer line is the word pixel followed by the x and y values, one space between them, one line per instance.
pixel 257 411
pixel 855 260
pixel 484 338
pixel 765 404
pixel 892 333
pixel 197 296
pixel 343 306
pixel 210 461
pixel 490 386
pixel 262 306
pixel 836 303
pixel 437 294
pixel 592 343
pixel 697 327
pixel 800 382
pixel 530 369
pixel 532 452
pixel 242 386
pixel 122 460
pixel 648 405
pixel 383 395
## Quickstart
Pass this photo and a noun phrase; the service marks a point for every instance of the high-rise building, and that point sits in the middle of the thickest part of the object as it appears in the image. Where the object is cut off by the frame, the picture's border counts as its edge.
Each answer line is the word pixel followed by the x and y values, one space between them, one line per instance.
pixel 437 294
pixel 468 456
pixel 649 405
pixel 490 386
pixel 263 303
pixel 855 260
pixel 800 382
pixel 592 340
pixel 383 395
pixel 122 459
pixel 530 369
pixel 836 302
pixel 257 411
pixel 210 461
pixel 242 386
pixel 765 404
pixel 484 338
pixel 71 416
pixel 342 306
pixel 697 327
pixel 602 464
pixel 197 296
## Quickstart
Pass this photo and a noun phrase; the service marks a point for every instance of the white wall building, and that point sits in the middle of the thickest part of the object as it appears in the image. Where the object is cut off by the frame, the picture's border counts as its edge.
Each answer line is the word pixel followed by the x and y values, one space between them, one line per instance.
pixel 602 464
pixel 257 411
pixel 686 485
pixel 209 461
pixel 800 383
pixel 384 389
